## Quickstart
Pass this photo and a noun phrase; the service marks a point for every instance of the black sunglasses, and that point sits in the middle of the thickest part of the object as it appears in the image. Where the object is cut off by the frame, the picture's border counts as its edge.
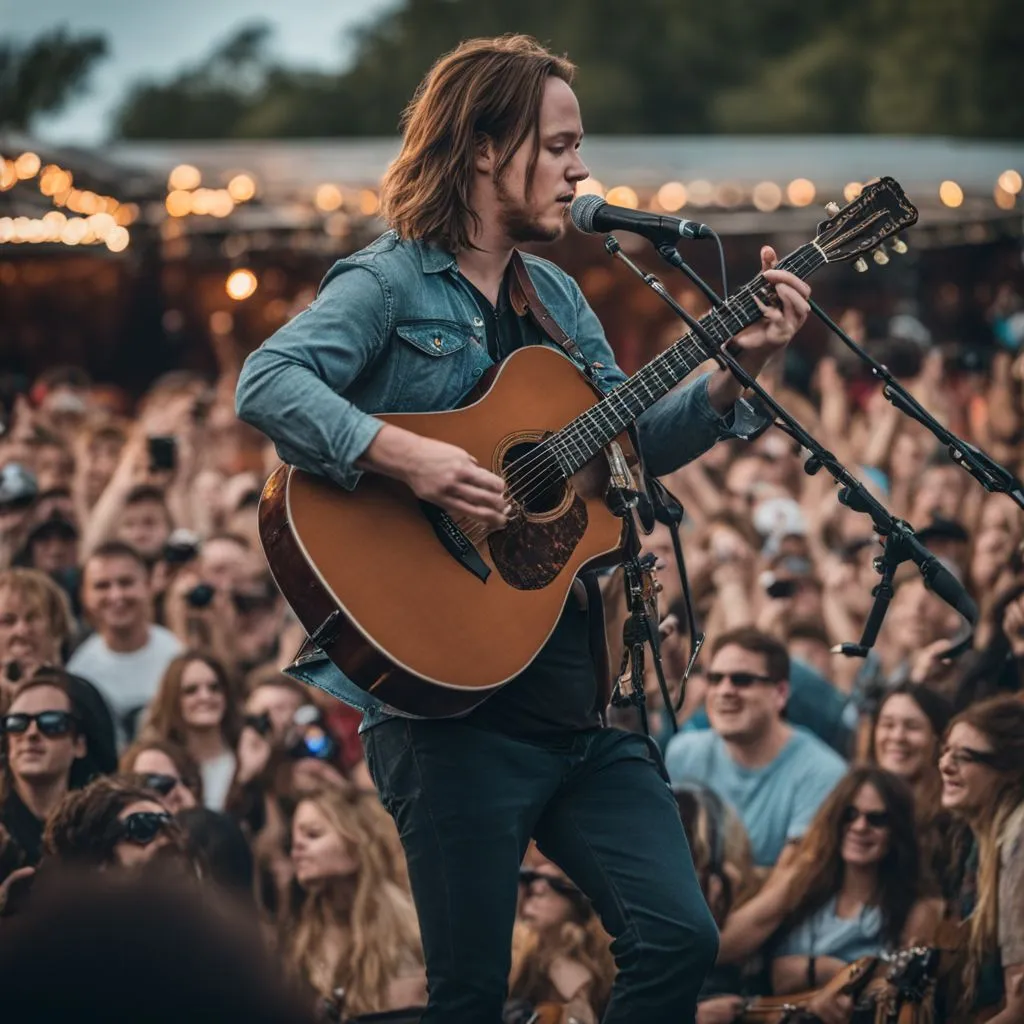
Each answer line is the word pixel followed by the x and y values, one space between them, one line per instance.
pixel 142 827
pixel 158 782
pixel 962 755
pixel 876 819
pixel 50 723
pixel 741 680
pixel 559 885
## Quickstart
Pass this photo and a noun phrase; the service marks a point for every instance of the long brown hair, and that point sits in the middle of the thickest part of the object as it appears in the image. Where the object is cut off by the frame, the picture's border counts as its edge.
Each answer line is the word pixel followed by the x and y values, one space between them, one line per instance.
pixel 483 89
pixel 377 921
pixel 820 852
pixel 164 721
pixel 1001 721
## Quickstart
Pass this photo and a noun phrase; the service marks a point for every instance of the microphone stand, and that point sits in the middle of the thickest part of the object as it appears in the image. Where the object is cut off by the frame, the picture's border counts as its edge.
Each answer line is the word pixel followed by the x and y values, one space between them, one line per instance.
pixel 993 476
pixel 901 544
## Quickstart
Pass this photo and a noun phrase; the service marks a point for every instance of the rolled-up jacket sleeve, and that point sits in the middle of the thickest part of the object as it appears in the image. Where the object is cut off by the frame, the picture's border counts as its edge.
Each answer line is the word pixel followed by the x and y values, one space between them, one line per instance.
pixel 677 428
pixel 288 387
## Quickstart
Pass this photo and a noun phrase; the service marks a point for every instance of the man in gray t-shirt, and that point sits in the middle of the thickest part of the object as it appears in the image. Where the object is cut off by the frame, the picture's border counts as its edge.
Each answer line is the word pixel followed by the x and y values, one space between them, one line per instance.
pixel 774 774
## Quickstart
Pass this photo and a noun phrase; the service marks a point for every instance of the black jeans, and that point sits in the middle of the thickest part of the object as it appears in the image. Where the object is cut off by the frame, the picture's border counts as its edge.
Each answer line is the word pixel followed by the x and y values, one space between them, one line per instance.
pixel 467 800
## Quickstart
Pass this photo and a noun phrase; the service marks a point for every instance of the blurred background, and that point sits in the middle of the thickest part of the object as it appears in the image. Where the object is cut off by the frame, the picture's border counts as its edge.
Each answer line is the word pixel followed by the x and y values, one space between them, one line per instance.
pixel 179 178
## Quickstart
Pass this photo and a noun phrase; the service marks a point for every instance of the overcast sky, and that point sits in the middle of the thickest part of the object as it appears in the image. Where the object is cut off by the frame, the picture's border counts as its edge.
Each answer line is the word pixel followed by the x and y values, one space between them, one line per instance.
pixel 156 37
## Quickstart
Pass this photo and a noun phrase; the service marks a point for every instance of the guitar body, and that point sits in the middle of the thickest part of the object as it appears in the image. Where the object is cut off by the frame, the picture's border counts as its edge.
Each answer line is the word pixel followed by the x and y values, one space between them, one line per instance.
pixel 418 627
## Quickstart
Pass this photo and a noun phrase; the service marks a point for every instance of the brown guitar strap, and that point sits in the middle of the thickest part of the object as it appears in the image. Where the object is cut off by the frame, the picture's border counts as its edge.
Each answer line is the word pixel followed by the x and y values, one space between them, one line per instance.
pixel 526 302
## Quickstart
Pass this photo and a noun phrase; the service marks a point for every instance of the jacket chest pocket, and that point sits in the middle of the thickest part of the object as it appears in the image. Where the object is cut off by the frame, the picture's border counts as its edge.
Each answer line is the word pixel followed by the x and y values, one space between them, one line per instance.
pixel 436 364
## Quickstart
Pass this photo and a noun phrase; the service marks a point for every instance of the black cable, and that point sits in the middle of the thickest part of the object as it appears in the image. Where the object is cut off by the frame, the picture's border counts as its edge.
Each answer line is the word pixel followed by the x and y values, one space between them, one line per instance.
pixel 721 263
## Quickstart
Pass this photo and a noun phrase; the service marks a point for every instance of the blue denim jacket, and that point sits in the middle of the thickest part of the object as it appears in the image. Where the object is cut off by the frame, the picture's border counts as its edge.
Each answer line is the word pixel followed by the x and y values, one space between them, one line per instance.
pixel 395 328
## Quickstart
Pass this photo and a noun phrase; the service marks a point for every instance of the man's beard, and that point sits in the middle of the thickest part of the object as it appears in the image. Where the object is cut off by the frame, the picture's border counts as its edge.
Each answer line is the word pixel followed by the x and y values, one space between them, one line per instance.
pixel 517 223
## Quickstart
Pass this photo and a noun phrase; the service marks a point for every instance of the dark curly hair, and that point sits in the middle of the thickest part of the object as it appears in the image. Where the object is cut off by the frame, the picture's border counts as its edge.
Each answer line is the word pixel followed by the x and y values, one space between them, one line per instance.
pixel 81 831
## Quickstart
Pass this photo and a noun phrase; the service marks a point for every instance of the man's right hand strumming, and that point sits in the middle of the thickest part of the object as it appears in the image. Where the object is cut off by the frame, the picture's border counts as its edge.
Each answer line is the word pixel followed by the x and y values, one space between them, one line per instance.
pixel 440 473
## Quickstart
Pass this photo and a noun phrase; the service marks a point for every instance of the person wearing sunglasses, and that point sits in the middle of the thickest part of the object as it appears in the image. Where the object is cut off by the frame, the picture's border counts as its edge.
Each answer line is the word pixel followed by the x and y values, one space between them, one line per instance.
pixel 853 889
pixel 775 774
pixel 112 823
pixel 982 766
pixel 168 770
pixel 42 742
pixel 560 951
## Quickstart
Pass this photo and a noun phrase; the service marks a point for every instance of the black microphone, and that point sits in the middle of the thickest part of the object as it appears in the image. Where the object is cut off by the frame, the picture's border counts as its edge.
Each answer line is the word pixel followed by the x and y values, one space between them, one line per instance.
pixel 592 214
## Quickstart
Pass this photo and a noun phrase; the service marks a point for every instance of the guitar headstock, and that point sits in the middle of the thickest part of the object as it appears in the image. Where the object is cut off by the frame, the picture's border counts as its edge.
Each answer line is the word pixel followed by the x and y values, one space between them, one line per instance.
pixel 912 972
pixel 881 211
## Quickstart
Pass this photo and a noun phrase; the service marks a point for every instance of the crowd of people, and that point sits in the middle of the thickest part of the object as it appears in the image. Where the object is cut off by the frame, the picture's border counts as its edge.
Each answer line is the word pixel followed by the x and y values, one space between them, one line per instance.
pixel 837 808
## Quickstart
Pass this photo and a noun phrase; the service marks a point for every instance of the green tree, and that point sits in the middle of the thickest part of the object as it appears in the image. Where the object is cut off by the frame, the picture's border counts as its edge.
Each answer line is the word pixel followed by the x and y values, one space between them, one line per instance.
pixel 42 76
pixel 646 67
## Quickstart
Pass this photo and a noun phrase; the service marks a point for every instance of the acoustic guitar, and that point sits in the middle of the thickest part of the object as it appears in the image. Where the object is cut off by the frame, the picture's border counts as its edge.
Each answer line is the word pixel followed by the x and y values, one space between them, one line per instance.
pixel 430 614
pixel 886 989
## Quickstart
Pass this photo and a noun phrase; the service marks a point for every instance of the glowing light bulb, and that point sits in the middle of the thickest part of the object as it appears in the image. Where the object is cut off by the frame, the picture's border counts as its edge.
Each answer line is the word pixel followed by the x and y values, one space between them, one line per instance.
pixel 241 284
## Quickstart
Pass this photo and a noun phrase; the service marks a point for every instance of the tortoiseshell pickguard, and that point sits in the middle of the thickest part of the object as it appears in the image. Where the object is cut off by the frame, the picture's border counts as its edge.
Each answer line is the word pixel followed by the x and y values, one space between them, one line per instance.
pixel 529 555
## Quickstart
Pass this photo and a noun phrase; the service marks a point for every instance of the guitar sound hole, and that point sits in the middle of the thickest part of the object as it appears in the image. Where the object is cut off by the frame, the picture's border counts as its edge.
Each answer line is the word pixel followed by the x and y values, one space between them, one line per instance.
pixel 534 479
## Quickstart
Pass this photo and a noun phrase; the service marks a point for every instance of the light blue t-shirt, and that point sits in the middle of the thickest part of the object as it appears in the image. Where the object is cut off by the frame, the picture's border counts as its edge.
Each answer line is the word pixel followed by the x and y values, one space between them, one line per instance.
pixel 824 933
pixel 775 802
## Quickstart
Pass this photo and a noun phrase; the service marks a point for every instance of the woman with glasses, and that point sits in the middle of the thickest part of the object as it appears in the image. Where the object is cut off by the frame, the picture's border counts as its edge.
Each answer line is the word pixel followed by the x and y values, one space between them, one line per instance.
pixel 858 891
pixel 560 953
pixel 112 823
pixel 982 766
pixel 352 923
pixel 168 770
pixel 854 889
pixel 196 708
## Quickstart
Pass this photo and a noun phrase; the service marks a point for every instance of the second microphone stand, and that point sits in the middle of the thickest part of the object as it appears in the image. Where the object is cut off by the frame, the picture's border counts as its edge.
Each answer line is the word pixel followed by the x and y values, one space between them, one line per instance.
pixel 901 545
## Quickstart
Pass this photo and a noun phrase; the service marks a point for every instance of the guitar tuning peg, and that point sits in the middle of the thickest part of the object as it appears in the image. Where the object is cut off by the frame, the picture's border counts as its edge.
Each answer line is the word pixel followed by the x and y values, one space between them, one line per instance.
pixel 899 246
pixel 831 208
pixel 860 265
pixel 880 256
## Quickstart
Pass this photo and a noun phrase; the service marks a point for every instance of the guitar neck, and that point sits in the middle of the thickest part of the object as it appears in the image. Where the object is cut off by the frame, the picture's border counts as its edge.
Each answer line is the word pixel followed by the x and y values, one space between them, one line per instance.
pixel 579 441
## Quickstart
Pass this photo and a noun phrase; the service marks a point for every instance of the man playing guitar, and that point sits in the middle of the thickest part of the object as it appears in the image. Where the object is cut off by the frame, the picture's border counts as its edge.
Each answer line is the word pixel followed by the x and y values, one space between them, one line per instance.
pixel 490 159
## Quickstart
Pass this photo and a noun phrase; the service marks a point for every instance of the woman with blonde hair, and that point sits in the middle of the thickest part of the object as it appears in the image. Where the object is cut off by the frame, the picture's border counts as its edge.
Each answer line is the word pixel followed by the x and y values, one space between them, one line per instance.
pixel 196 708
pixel 560 952
pixel 354 926
pixel 982 767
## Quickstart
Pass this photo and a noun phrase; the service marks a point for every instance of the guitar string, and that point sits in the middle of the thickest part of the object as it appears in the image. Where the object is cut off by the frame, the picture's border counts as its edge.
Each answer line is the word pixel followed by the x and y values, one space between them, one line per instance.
pixel 686 346
pixel 689 345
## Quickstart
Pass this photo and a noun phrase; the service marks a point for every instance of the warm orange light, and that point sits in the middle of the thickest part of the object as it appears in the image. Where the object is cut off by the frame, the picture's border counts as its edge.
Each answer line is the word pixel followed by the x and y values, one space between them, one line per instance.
pixel 1004 200
pixel 951 193
pixel 184 176
pixel 728 194
pixel 179 203
pixel 221 203
pixel 27 165
pixel 852 190
pixel 1011 181
pixel 241 284
pixel 241 188
pixel 8 175
pixel 800 192
pixel 102 225
pixel 74 231
pixel 701 192
pixel 766 196
pixel 117 240
pixel 328 198
pixel 221 322
pixel 590 187
pixel 126 214
pixel 369 204
pixel 622 195
pixel 672 196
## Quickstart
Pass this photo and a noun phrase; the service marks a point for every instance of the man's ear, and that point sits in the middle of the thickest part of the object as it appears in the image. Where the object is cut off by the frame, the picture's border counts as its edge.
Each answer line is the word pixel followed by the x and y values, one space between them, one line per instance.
pixel 781 695
pixel 483 154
